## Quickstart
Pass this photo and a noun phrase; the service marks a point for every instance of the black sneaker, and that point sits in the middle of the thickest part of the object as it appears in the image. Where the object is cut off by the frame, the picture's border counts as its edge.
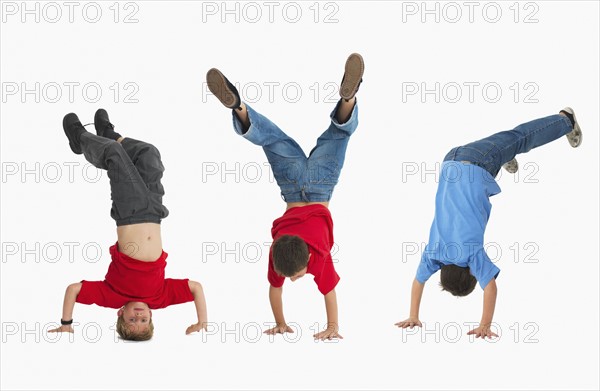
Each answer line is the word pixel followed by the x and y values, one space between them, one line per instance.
pixel 73 129
pixel 223 89
pixel 101 122
pixel 103 126
pixel 355 67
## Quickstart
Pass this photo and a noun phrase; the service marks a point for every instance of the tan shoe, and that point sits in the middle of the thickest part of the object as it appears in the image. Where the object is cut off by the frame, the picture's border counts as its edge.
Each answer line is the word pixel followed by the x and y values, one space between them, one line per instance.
pixel 223 89
pixel 575 136
pixel 353 73
pixel 512 166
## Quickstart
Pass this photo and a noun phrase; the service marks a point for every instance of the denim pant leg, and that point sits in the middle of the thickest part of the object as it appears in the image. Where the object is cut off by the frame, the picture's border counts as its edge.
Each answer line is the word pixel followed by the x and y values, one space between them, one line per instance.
pixel 493 151
pixel 147 160
pixel 326 160
pixel 129 193
pixel 287 159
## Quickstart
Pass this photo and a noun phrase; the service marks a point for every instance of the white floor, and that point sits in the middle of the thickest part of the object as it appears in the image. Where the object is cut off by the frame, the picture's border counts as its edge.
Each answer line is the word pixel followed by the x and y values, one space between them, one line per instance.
pixel 429 85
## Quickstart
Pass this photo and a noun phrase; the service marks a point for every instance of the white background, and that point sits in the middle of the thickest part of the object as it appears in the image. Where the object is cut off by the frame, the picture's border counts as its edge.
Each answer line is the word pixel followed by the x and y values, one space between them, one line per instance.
pixel 547 309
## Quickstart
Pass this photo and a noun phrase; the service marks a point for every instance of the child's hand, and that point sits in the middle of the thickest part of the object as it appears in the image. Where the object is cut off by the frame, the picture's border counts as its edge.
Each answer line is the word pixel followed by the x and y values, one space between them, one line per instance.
pixel 483 331
pixel 410 322
pixel 62 329
pixel 330 332
pixel 196 327
pixel 279 329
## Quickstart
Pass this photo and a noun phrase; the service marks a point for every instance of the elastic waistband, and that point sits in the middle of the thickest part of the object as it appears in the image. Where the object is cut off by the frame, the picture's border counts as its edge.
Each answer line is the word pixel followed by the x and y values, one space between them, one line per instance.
pixel 139 219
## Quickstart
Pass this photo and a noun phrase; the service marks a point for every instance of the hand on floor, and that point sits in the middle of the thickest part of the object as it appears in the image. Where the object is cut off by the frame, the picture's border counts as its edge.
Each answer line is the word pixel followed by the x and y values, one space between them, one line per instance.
pixel 329 333
pixel 483 331
pixel 196 327
pixel 410 322
pixel 62 329
pixel 279 329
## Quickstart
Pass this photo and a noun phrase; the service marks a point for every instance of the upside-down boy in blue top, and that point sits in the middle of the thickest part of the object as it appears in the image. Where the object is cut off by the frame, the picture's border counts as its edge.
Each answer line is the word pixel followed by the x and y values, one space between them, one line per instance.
pixel 462 210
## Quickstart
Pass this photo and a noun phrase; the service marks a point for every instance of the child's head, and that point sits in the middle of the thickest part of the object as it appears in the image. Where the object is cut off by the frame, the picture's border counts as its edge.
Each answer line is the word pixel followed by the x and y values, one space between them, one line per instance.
pixel 457 280
pixel 290 256
pixel 134 322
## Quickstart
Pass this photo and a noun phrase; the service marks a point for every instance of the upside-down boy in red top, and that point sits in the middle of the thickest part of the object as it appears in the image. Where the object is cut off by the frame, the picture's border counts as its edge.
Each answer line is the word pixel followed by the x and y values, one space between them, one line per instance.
pixel 303 236
pixel 135 282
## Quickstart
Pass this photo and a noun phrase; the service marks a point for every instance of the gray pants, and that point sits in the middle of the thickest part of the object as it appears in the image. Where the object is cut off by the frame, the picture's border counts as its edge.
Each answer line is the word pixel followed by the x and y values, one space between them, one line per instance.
pixel 135 170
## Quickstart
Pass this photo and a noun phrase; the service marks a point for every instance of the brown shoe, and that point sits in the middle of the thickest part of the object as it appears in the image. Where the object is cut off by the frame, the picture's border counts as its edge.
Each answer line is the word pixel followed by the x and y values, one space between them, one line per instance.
pixel 355 67
pixel 223 89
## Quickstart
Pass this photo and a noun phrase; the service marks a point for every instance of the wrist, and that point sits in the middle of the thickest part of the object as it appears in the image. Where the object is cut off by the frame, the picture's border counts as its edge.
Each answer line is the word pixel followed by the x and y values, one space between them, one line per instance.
pixel 332 325
pixel 66 322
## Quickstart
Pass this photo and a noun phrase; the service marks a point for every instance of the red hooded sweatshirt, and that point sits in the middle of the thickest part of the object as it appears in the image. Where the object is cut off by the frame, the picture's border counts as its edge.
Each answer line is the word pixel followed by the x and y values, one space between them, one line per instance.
pixel 314 225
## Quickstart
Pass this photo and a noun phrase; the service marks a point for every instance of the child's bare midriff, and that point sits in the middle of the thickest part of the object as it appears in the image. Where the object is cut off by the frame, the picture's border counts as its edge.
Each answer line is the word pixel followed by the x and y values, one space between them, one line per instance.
pixel 140 241
pixel 296 204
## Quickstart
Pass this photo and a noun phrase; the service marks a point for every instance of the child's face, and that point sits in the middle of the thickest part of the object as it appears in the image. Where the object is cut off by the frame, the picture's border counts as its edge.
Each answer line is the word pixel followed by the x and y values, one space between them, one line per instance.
pixel 298 275
pixel 301 273
pixel 136 313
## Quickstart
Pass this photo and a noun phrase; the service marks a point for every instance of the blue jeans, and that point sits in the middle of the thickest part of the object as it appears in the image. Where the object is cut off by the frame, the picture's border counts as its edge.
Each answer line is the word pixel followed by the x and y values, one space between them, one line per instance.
pixel 492 152
pixel 301 178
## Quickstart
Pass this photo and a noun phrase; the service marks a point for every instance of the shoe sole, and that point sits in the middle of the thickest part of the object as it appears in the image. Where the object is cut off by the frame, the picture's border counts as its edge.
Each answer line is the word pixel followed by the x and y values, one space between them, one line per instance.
pixel 71 145
pixel 217 84
pixel 575 137
pixel 353 74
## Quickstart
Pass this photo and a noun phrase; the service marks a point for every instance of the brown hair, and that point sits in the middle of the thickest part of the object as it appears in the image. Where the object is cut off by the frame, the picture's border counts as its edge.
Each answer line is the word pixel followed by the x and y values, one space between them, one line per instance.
pixel 290 255
pixel 129 333
pixel 457 280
